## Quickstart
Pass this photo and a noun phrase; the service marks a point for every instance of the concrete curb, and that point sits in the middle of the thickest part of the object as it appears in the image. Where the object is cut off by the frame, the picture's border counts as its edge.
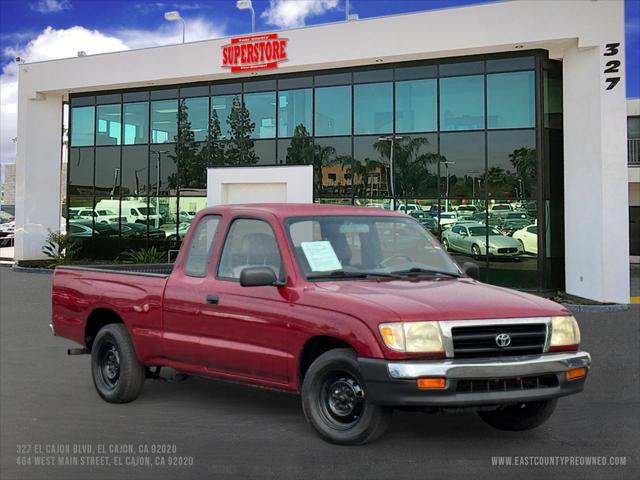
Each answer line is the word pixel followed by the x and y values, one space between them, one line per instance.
pixel 596 308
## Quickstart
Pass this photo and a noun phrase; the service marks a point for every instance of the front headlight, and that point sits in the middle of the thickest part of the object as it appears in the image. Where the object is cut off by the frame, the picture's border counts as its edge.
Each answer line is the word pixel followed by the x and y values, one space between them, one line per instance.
pixel 565 333
pixel 413 337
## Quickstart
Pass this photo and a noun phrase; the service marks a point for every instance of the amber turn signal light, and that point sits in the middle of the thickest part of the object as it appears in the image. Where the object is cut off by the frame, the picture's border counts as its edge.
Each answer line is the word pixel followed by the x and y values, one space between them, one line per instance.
pixel 431 382
pixel 576 373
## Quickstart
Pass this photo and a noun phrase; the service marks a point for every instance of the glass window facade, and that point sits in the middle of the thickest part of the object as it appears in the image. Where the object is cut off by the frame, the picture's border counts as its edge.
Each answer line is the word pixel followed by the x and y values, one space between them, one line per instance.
pixel 457 139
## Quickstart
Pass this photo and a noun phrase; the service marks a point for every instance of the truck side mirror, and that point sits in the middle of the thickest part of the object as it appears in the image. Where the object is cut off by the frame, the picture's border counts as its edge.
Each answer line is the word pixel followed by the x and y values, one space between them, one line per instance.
pixel 471 269
pixel 258 277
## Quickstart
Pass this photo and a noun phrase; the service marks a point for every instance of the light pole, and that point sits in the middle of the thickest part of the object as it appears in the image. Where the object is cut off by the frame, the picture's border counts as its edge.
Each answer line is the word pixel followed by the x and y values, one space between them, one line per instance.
pixel 446 164
pixel 174 16
pixel 247 5
pixel 158 153
pixel 391 139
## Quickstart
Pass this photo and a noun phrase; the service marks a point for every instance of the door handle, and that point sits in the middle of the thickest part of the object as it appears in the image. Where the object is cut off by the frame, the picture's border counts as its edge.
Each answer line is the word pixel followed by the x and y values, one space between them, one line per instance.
pixel 212 299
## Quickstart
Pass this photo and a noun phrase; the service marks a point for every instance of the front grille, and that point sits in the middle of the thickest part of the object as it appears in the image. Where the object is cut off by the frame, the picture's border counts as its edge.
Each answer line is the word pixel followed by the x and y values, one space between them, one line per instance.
pixel 480 340
pixel 507 384
pixel 507 250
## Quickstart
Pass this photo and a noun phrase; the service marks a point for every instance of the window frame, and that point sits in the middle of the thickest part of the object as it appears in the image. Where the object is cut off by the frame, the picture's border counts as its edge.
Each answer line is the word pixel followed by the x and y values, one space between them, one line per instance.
pixel 283 272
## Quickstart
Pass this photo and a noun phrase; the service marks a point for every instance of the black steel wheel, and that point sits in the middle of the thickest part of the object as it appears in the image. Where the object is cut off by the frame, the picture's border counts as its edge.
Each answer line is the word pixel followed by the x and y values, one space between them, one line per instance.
pixel 335 403
pixel 117 374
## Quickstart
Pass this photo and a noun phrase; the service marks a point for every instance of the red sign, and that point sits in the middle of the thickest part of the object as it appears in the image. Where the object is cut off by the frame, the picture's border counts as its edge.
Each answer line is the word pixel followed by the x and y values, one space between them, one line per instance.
pixel 256 52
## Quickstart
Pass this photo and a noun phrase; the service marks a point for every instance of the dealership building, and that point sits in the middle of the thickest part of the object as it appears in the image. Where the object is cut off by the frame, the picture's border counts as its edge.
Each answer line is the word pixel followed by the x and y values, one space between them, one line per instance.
pixel 518 103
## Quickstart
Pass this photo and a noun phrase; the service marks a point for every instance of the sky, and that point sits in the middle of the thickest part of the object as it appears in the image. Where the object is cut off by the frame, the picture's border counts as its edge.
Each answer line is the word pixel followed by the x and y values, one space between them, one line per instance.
pixel 47 29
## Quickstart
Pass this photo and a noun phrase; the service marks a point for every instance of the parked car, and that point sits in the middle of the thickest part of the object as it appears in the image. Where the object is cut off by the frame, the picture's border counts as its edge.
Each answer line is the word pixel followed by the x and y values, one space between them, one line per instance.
pixel 186 216
pixel 183 228
pixel 132 211
pixel 86 228
pixel 528 238
pixel 472 239
pixel 467 211
pixel 481 217
pixel 100 215
pixel 446 219
pixel 432 225
pixel 7 228
pixel 140 230
pixel 409 207
pixel 500 209
pixel 359 311
pixel 509 226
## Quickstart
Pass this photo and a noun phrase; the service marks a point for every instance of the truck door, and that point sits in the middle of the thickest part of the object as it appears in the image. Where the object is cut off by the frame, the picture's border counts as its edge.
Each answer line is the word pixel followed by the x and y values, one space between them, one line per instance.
pixel 185 294
pixel 246 327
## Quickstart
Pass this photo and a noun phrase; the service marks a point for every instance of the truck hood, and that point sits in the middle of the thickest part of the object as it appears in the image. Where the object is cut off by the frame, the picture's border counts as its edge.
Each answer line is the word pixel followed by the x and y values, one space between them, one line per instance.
pixel 437 299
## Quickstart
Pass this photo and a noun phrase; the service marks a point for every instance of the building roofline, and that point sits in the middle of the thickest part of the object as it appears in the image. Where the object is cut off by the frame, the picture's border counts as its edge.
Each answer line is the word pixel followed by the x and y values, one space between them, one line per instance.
pixel 305 27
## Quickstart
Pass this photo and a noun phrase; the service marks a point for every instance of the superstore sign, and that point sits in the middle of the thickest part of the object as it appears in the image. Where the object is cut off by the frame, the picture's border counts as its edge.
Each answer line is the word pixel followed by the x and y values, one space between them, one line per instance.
pixel 256 52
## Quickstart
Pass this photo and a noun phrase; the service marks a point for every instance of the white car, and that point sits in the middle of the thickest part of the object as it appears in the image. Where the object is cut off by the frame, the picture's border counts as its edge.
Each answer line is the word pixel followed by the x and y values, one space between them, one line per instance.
pixel 409 207
pixel 8 228
pixel 528 238
pixel 100 215
pixel 447 219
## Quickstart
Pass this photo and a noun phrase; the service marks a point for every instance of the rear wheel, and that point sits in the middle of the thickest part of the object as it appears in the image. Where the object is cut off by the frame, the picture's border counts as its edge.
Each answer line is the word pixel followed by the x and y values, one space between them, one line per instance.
pixel 523 416
pixel 445 244
pixel 335 402
pixel 117 374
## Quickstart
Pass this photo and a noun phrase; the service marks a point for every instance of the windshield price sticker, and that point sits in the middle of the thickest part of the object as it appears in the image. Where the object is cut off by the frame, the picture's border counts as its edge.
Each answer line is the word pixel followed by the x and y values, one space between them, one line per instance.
pixel 321 256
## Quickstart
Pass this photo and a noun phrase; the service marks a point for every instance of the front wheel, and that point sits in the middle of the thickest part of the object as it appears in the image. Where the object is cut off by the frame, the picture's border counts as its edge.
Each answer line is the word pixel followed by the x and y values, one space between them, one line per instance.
pixel 523 416
pixel 475 251
pixel 335 403
pixel 117 374
pixel 445 244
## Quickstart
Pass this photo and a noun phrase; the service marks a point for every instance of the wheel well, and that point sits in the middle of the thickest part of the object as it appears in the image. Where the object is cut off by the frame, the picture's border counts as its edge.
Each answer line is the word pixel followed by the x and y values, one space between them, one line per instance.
pixel 98 319
pixel 315 347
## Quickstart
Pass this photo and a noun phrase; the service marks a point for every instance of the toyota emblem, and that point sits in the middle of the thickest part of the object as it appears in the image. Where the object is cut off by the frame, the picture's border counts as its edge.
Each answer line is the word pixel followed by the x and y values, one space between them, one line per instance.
pixel 503 340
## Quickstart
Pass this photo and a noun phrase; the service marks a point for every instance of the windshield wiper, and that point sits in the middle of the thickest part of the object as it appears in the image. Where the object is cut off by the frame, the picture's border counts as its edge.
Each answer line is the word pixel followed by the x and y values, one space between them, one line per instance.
pixel 416 272
pixel 338 274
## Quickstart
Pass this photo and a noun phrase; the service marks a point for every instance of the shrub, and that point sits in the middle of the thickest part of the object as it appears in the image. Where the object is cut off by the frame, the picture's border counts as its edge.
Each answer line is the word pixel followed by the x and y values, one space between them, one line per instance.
pixel 145 255
pixel 60 248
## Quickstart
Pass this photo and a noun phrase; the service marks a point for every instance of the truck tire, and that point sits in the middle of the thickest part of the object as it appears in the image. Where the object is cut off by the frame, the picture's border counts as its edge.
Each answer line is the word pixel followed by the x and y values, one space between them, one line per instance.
pixel 117 374
pixel 523 416
pixel 335 404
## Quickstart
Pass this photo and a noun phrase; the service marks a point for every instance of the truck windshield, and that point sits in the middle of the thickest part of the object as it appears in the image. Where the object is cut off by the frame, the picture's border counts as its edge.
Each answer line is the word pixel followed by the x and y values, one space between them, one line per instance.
pixel 370 245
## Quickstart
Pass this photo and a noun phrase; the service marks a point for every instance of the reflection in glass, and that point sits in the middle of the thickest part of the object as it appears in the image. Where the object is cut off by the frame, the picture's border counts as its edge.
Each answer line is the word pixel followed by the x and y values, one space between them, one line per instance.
pixel 136 123
pixel 512 164
pixel 80 171
pixel 108 125
pixel 370 172
pixel 462 165
pixel 262 109
pixel 107 168
pixel 135 170
pixel 82 126
pixel 511 100
pixel 197 115
pixel 298 150
pixel 264 152
pixel 415 160
pixel 333 111
pixel 163 172
pixel 164 121
pixel 462 103
pixel 373 106
pixel 416 106
pixel 191 165
pixel 331 167
pixel 80 217
pixel 222 106
pixel 240 148
pixel 294 109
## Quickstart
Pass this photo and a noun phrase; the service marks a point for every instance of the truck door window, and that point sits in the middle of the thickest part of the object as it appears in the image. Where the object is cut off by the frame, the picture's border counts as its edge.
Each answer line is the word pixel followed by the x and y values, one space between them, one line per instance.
pixel 249 243
pixel 199 253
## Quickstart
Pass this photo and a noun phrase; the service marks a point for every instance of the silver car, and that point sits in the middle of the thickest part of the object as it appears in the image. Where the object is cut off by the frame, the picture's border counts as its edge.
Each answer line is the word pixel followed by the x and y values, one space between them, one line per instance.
pixel 470 238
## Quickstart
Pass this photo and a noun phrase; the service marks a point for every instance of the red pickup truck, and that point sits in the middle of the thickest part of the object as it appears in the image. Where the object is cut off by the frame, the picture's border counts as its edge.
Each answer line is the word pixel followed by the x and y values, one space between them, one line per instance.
pixel 359 310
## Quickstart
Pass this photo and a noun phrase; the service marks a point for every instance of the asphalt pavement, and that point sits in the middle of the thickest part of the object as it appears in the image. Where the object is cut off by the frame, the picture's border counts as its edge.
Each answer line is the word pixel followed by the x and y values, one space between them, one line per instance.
pixel 50 413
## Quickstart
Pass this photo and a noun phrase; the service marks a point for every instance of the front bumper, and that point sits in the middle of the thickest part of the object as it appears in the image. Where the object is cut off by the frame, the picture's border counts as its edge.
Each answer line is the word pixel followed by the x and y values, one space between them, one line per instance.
pixel 393 383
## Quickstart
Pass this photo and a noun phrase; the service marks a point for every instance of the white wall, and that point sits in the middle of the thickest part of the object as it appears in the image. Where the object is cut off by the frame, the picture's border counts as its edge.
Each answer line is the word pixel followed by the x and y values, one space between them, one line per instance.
pixel 292 184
